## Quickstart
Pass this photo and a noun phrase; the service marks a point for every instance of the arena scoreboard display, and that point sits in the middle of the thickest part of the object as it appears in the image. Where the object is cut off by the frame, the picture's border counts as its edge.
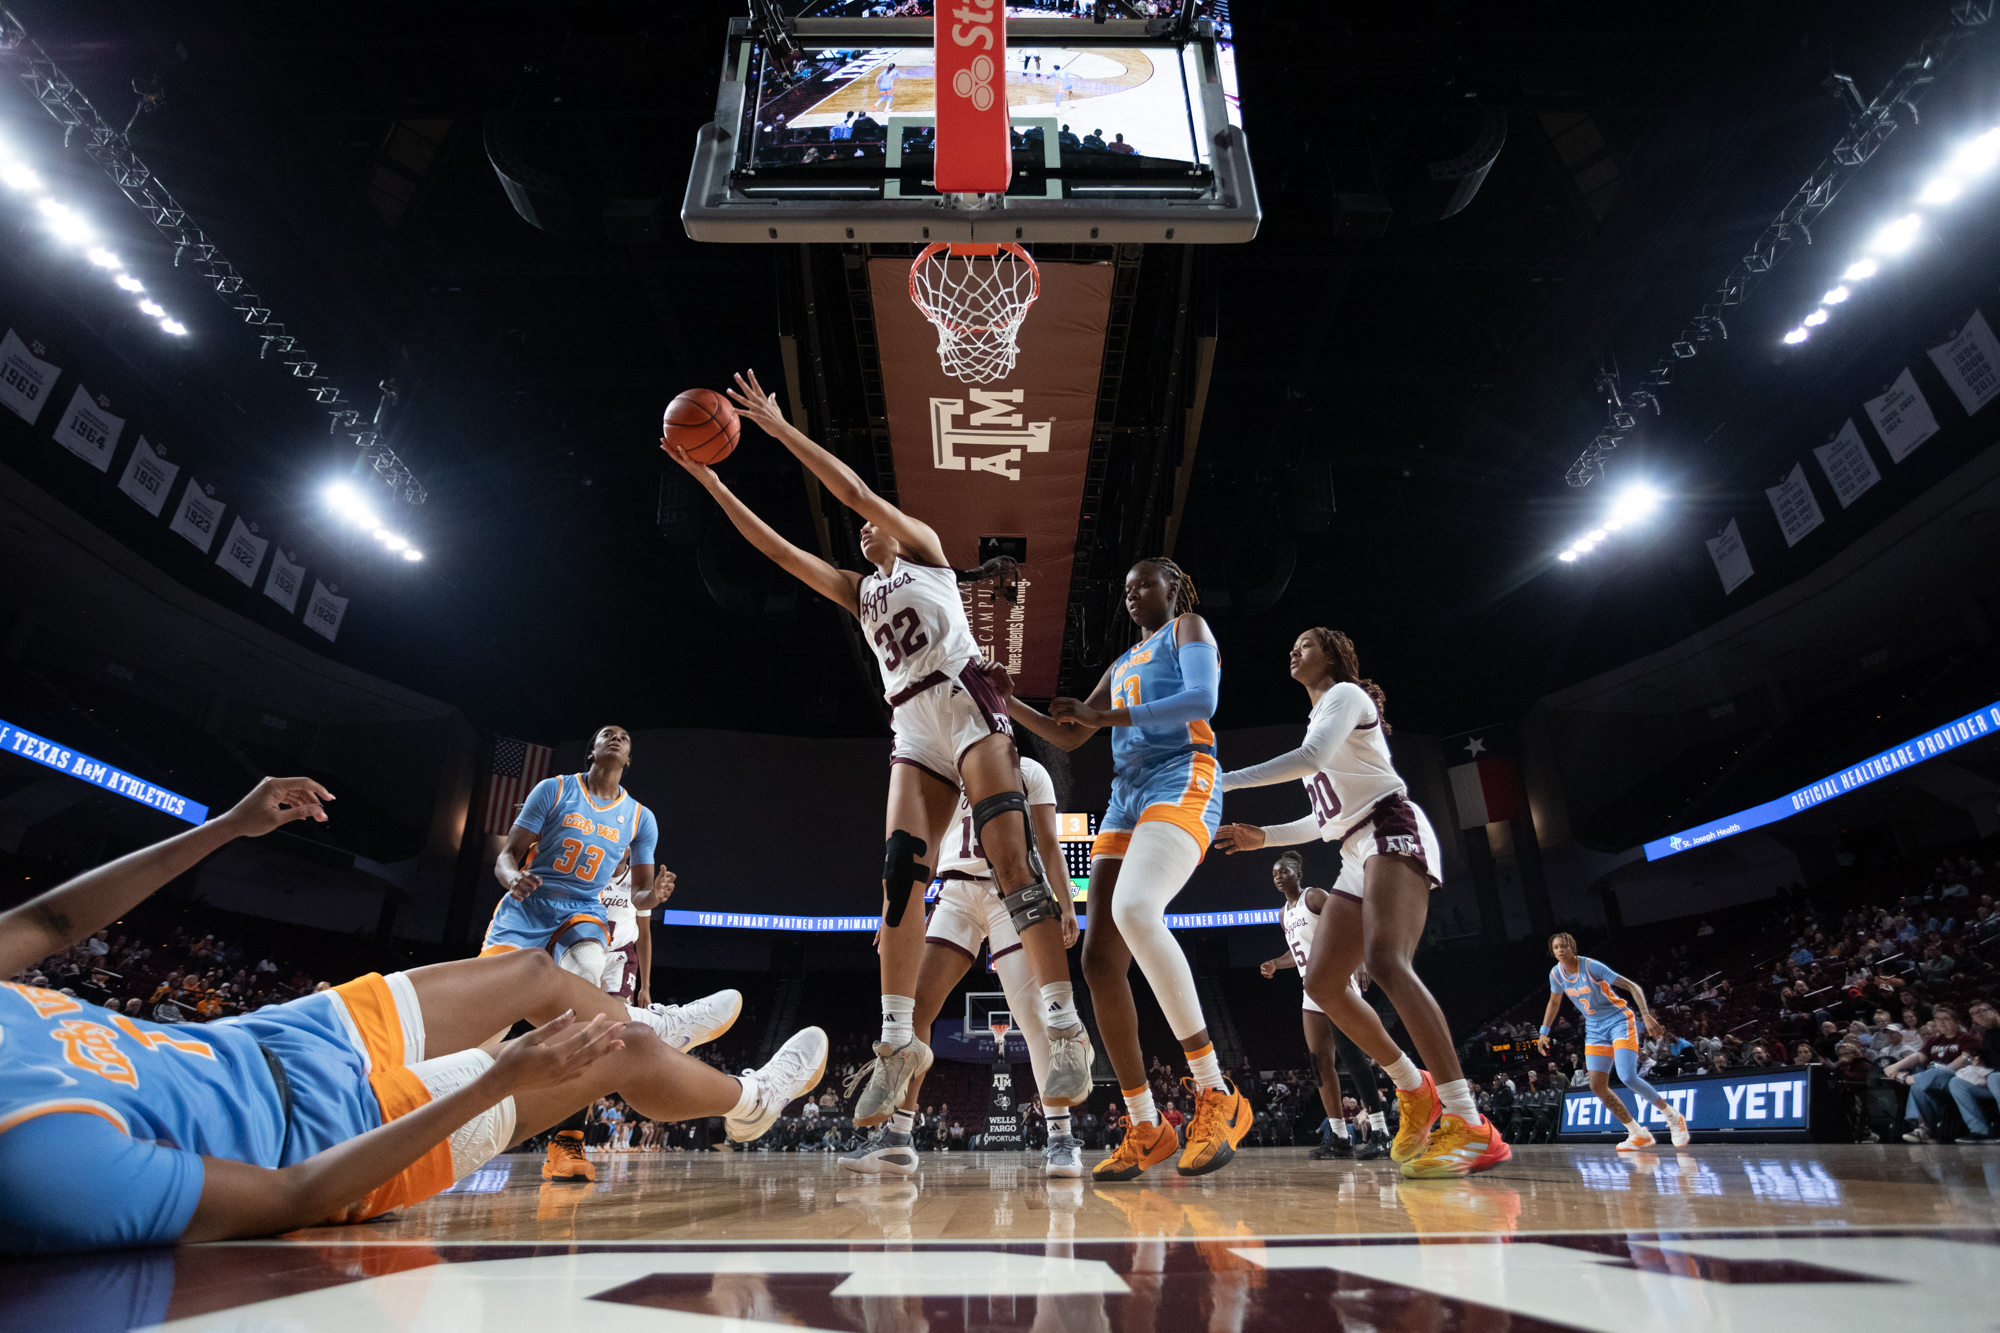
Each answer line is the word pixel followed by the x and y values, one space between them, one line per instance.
pixel 1077 832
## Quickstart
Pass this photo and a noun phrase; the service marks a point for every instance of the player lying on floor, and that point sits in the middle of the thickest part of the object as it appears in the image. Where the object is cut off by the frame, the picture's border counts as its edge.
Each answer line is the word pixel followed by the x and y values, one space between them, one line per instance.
pixel 334 1107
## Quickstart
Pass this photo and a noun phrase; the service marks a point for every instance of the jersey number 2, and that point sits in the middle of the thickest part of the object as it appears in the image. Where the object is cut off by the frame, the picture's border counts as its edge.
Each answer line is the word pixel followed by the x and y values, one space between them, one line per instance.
pixel 913 637
pixel 593 857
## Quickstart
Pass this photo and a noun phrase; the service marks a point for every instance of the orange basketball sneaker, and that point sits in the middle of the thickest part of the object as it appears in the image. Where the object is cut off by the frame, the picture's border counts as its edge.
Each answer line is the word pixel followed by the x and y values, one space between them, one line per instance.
pixel 566 1160
pixel 1459 1149
pixel 1221 1118
pixel 1142 1146
pixel 1418 1110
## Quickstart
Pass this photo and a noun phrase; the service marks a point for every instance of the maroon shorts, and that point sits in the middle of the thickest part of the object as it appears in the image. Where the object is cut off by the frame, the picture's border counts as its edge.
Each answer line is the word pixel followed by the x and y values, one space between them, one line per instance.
pixel 621 972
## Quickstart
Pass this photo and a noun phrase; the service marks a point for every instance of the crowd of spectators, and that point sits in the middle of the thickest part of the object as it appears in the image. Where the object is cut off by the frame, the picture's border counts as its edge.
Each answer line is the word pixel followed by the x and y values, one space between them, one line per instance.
pixel 179 979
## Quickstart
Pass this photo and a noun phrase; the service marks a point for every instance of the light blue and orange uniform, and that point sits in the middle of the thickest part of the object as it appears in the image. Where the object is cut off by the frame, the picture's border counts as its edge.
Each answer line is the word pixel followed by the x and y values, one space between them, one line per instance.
pixel 578 841
pixel 1609 1025
pixel 1164 771
pixel 104 1119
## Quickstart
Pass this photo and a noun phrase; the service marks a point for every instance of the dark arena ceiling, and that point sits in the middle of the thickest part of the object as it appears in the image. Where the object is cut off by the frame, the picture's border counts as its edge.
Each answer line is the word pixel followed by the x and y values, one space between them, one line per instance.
pixel 1439 379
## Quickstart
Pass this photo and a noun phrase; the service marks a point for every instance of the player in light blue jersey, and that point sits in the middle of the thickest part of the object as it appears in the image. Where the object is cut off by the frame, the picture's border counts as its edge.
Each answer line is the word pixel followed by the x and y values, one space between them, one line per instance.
pixel 1610 1037
pixel 1165 805
pixel 334 1107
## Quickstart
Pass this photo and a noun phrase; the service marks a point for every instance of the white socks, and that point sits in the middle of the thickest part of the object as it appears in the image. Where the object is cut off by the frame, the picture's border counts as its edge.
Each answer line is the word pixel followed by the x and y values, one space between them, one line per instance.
pixel 1457 1098
pixel 1339 1128
pixel 747 1103
pixel 896 1012
pixel 1059 1006
pixel 1378 1122
pixel 1206 1069
pixel 1139 1105
pixel 901 1121
pixel 1404 1074
pixel 1158 861
pixel 657 1022
pixel 1059 1123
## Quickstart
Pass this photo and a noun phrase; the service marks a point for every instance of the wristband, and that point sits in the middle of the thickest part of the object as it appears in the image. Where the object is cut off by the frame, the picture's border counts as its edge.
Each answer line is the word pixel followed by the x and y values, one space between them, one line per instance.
pixel 1545 1029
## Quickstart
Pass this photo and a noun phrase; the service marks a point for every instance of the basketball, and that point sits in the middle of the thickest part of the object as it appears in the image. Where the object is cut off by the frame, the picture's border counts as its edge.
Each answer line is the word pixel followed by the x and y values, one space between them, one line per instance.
pixel 702 424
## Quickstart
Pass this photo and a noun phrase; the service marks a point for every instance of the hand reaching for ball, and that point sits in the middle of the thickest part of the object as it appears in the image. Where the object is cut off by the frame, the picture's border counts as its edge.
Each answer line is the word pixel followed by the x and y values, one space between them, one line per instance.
pixel 753 402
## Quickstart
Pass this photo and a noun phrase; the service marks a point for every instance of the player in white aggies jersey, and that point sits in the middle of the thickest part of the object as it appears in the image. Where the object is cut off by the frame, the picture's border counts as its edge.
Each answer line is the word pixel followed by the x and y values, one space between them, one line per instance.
pixel 969 913
pixel 1328 1044
pixel 953 740
pixel 1380 908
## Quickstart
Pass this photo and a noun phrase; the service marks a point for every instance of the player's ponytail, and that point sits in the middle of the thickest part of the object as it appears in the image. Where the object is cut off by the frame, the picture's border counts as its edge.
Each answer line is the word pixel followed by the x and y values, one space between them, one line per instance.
pixel 1339 650
pixel 1001 567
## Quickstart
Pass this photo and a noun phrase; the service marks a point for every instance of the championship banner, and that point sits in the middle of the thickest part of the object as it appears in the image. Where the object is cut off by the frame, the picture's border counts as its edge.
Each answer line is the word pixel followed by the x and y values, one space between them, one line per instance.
pixel 1970 363
pixel 1004 460
pixel 199 516
pixel 1902 416
pixel 1846 462
pixel 1792 500
pixel 149 476
pixel 287 576
pixel 243 553
pixel 89 430
pixel 1732 562
pixel 25 379
pixel 325 612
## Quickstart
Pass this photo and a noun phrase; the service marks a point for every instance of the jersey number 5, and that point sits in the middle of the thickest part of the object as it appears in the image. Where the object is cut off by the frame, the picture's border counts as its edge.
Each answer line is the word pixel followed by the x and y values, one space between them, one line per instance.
pixel 912 638
pixel 593 857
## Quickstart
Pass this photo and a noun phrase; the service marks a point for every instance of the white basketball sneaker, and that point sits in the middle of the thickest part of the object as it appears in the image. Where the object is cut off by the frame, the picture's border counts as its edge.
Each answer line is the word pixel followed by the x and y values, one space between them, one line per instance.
pixel 1069 1067
pixel 1678 1125
pixel 888 1152
pixel 790 1074
pixel 1637 1136
pixel 888 1079
pixel 1063 1158
pixel 686 1026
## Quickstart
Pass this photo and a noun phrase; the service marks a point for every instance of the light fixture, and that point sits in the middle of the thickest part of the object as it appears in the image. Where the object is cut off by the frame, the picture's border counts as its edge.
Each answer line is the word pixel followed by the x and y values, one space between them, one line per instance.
pixel 1815 319
pixel 1861 269
pixel 66 225
pixel 1797 336
pixel 19 177
pixel 1898 236
pixel 151 307
pixel 1630 507
pixel 129 283
pixel 1836 296
pixel 1977 156
pixel 1567 555
pixel 173 326
pixel 103 258
pixel 1942 190
pixel 1594 536
pixel 413 554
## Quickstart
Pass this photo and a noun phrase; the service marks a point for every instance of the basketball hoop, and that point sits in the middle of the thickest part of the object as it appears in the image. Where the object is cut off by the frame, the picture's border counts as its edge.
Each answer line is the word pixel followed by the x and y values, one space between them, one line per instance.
pixel 976 296
pixel 1000 1030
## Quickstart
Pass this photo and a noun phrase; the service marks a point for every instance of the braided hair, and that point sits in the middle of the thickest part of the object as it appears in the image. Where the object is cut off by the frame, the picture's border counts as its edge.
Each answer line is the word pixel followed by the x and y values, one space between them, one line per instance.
pixel 1339 650
pixel 1004 567
pixel 1183 598
pixel 1295 861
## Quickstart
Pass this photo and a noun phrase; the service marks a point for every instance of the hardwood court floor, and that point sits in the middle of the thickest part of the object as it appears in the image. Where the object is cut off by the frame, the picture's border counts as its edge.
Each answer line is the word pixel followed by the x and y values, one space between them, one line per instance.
pixel 1752 1239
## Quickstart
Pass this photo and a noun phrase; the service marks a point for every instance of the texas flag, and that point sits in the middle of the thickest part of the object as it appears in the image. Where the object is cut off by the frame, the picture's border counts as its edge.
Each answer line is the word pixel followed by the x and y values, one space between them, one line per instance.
pixel 1485 786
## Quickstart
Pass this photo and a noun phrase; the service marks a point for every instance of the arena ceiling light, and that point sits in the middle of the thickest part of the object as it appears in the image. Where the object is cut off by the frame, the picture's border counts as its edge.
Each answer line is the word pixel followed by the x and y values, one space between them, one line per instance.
pixel 353 508
pixel 71 228
pixel 1629 508
pixel 1973 160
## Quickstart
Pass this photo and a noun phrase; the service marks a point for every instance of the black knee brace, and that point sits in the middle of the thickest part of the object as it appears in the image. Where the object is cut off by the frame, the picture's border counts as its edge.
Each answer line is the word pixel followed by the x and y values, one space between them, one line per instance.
pixel 902 871
pixel 994 806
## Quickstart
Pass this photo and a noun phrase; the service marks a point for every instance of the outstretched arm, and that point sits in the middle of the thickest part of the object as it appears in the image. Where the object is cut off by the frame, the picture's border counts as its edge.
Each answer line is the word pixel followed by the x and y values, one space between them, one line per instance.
pixel 840 480
pixel 836 585
pixel 1064 734
pixel 1201 675
pixel 1233 838
pixel 1350 708
pixel 93 900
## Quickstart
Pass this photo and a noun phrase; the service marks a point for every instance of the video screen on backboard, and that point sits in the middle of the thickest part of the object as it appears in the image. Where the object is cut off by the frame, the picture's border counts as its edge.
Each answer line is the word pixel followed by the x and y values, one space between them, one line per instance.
pixel 1114 110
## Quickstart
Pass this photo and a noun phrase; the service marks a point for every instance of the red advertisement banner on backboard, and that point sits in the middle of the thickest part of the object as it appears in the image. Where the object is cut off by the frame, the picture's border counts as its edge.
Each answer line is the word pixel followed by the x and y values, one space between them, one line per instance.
pixel 1003 460
pixel 973 148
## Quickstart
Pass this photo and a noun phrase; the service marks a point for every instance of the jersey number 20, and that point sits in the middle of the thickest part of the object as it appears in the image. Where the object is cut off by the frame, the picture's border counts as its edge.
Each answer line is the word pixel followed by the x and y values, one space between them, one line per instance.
pixel 1325 804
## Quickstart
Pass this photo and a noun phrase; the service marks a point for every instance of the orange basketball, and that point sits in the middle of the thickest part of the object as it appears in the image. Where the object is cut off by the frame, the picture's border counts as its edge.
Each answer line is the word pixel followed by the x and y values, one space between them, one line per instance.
pixel 702 424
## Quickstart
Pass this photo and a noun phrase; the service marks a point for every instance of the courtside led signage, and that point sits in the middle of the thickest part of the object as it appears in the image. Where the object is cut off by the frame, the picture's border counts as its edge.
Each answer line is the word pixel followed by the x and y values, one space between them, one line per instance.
pixel 1971 727
pixel 97 773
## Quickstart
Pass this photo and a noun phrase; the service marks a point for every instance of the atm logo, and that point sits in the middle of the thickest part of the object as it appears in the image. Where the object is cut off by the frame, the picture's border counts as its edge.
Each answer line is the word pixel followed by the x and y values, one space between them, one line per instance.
pixel 997 422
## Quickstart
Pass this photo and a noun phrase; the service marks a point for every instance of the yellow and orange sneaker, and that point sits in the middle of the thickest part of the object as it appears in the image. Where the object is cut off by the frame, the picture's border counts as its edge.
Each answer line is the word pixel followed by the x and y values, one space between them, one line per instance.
pixel 1419 1109
pixel 1459 1149
pixel 566 1160
pixel 1143 1146
pixel 1221 1118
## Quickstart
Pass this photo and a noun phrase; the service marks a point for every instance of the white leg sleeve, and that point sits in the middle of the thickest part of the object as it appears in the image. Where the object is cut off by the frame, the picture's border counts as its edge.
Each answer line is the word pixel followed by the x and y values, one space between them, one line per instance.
pixel 1158 861
pixel 585 958
pixel 1024 1002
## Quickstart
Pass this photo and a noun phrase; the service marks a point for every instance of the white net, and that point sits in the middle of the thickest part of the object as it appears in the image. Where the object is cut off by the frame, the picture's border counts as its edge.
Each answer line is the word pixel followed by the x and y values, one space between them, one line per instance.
pixel 976 296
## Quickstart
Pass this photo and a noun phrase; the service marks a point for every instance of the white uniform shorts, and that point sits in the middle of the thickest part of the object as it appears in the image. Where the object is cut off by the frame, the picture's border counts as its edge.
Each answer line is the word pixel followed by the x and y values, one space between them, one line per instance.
pixel 969 912
pixel 1396 825
pixel 935 728
pixel 620 977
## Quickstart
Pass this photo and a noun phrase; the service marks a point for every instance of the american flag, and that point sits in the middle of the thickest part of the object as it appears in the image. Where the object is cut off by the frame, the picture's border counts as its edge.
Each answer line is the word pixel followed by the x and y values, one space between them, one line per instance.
pixel 517 767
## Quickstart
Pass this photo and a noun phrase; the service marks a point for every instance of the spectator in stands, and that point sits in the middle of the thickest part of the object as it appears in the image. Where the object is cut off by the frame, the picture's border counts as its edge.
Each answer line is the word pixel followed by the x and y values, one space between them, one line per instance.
pixel 1066 139
pixel 1975 1088
pixel 1928 1074
pixel 1094 139
pixel 1118 145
